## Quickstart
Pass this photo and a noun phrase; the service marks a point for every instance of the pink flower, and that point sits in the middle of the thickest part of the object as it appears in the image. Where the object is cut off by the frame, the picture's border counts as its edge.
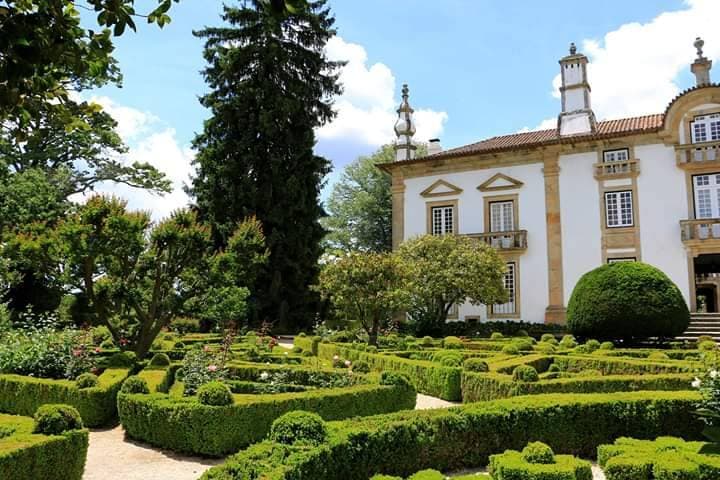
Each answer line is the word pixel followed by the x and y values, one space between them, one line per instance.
pixel 76 353
pixel 212 368
pixel 97 350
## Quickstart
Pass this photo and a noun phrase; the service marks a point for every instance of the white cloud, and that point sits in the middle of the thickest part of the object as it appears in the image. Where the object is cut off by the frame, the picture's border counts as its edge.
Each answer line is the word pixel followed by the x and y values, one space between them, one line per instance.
pixel 366 109
pixel 131 122
pixel 634 70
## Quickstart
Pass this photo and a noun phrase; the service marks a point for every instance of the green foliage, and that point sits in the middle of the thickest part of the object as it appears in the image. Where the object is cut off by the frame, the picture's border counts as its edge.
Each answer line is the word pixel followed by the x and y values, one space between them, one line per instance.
pixel 512 465
pixel 568 341
pixel 135 384
pixel 23 395
pixel 592 345
pixel 707 346
pixel 184 325
pixel 122 360
pixel 475 365
pixel 547 337
pixel 496 336
pixel 525 373
pixel 299 427
pixel 277 178
pixel 446 270
pixel 427 341
pixel 397 379
pixel 665 458
pixel 87 380
pixel 199 367
pixel 466 436
pixel 361 366
pixel 511 349
pixel 538 452
pixel 26 455
pixel 54 419
pixel 607 346
pixel 627 300
pixel 185 425
pixel 366 287
pixel 452 342
pixel 215 393
pixel 160 360
pixel 658 356
pixel 427 475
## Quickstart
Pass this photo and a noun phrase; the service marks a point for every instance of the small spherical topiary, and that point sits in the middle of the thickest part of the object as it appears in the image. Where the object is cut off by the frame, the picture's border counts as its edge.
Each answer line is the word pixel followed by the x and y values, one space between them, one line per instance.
pixel 523 344
pixel 87 380
pixel 52 419
pixel 216 394
pixel 554 368
pixel 307 353
pixel 302 334
pixel 510 349
pixel 568 341
pixel 704 338
pixel 179 346
pixel 607 346
pixel 475 365
pixel 122 360
pixel 525 373
pixel 427 341
pixel 627 300
pixel 135 384
pixel 452 342
pixel 522 333
pixel 392 378
pixel 538 452
pixel 361 366
pixel 547 337
pixel 160 360
pixel 428 474
pixel 299 427
pixel 496 336
pixel 592 345
pixel 658 356
pixel 707 346
pixel 544 347
pixel 372 349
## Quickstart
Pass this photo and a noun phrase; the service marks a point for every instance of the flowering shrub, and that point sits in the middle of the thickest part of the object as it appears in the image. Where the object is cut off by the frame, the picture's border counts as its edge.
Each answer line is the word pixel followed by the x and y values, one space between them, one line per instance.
pixel 200 367
pixel 709 408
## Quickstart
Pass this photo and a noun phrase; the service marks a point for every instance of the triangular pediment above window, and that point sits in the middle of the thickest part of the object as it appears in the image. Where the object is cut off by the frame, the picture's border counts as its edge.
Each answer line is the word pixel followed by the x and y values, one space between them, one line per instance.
pixel 499 181
pixel 441 188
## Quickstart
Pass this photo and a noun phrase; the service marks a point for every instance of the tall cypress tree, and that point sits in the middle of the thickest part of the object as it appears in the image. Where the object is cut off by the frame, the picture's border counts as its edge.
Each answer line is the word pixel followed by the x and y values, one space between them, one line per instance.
pixel 271 86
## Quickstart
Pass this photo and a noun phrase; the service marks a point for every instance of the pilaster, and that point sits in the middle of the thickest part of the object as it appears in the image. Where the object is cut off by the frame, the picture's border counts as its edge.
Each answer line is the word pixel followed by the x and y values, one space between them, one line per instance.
pixel 398 208
pixel 555 311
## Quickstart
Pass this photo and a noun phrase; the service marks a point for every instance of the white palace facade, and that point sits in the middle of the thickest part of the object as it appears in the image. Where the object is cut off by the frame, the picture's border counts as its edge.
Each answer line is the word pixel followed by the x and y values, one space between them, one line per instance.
pixel 557 203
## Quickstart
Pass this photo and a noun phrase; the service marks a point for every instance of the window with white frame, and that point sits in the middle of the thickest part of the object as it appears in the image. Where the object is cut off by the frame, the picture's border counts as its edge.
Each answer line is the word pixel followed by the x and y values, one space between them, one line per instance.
pixel 619 209
pixel 707 195
pixel 619 155
pixel 502 216
pixel 705 128
pixel 443 219
pixel 509 281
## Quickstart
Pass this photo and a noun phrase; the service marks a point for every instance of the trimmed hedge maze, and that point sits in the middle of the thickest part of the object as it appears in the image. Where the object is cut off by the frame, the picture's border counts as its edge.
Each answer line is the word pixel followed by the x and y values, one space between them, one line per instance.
pixel 465 437
pixel 184 424
pixel 25 454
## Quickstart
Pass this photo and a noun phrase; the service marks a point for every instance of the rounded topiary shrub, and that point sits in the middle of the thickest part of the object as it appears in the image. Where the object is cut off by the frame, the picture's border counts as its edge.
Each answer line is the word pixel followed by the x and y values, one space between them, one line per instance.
pixel 547 337
pixel 496 336
pixel 427 475
pixel 707 346
pixel 179 346
pixel 361 366
pixel 525 373
pixel 658 356
pixel 452 342
pixel 592 345
pixel 522 333
pixel 538 452
pixel 545 347
pixel 107 344
pixel 607 346
pixel 568 341
pixel 392 378
pixel 627 300
pixel 122 360
pixel 216 394
pixel 475 365
pixel 160 360
pixel 299 427
pixel 54 419
pixel 87 380
pixel 510 349
pixel 135 384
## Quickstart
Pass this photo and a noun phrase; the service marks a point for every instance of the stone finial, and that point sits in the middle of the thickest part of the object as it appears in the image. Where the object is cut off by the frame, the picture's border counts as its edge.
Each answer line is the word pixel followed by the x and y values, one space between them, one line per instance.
pixel 405 128
pixel 573 48
pixel 699 43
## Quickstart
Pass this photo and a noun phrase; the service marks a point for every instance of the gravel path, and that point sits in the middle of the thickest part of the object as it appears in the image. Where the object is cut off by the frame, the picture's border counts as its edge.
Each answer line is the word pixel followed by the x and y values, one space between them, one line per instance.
pixel 426 402
pixel 113 457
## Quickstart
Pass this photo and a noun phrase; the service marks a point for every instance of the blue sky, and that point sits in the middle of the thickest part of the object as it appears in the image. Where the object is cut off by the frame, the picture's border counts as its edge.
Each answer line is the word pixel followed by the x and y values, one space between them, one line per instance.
pixel 476 68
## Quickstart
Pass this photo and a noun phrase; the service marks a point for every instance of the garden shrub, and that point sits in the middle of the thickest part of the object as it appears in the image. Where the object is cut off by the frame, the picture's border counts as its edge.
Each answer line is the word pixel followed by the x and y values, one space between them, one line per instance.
pixel 538 452
pixel 547 337
pixel 523 344
pixel 511 349
pixel 705 338
pixel 87 380
pixel 607 346
pixel 525 373
pixel 135 384
pixel 100 334
pixel 544 347
pixel 592 345
pixel 658 356
pixel 297 350
pixel 554 368
pixel 160 360
pixel 568 341
pixel 707 346
pixel 398 379
pixel 215 393
pixel 107 344
pixel 361 366
pixel 452 342
pixel 54 419
pixel 428 474
pixel 25 455
pixel 183 325
pixel 465 436
pixel 299 427
pixel 627 300
pixel 97 406
pixel 122 360
pixel 475 365
pixel 513 465
pixel 427 341
pixel 522 333
pixel 179 345
pixel 496 336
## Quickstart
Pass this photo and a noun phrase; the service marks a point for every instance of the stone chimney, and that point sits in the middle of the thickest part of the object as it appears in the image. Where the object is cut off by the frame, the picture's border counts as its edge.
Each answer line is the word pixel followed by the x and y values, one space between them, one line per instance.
pixel 701 66
pixel 576 116
pixel 404 129
pixel 434 146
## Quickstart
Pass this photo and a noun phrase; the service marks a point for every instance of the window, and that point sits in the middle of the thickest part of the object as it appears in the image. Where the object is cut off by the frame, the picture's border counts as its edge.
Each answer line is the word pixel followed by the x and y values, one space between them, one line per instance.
pixel 620 260
pixel 443 219
pixel 619 209
pixel 510 286
pixel 621 155
pixel 502 216
pixel 705 128
pixel 707 195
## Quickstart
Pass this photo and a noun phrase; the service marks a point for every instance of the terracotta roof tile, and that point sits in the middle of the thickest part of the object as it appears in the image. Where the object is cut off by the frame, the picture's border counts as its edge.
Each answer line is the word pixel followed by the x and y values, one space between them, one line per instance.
pixel 605 129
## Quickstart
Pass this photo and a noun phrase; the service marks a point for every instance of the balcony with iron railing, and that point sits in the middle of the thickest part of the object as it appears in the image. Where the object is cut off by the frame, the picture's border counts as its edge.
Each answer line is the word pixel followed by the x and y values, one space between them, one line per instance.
pixel 691 155
pixel 626 168
pixel 703 231
pixel 514 240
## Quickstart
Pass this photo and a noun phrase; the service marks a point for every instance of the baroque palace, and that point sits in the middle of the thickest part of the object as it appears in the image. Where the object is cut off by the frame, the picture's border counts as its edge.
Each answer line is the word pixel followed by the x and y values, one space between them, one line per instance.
pixel 557 203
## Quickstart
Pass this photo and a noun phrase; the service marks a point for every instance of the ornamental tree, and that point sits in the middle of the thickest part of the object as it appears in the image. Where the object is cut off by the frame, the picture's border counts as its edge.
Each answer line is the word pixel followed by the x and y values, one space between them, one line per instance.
pixel 366 287
pixel 446 270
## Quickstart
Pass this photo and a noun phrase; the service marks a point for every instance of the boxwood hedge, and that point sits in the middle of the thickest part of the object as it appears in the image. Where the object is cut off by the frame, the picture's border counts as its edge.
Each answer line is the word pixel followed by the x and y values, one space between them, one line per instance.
pixel 465 437
pixel 25 455
pixel 21 395
pixel 185 425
